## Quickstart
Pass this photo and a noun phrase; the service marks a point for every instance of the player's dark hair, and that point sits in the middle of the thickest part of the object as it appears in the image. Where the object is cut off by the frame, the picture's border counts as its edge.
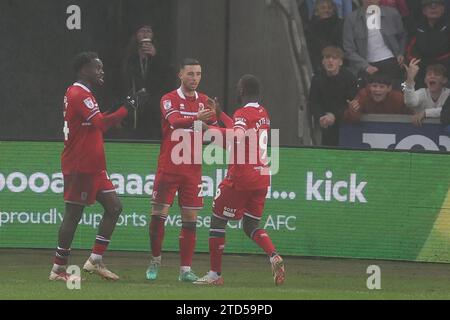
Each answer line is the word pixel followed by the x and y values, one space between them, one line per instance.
pixel 189 62
pixel 379 77
pixel 83 59
pixel 250 86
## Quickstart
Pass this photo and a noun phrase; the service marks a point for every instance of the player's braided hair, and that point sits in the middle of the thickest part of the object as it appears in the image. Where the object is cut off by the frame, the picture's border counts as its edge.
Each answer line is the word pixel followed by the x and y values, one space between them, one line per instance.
pixel 83 59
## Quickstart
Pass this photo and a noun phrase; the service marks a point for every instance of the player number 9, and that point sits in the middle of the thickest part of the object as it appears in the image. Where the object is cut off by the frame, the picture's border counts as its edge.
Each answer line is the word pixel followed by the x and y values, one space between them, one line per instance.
pixel 263 141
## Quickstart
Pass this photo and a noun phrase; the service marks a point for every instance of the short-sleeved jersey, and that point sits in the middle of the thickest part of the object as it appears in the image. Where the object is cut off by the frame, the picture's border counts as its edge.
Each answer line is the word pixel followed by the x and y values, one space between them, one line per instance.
pixel 176 102
pixel 253 173
pixel 83 143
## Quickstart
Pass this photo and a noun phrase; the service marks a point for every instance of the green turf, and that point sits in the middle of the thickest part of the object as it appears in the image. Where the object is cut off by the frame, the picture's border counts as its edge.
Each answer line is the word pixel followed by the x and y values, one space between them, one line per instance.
pixel 24 276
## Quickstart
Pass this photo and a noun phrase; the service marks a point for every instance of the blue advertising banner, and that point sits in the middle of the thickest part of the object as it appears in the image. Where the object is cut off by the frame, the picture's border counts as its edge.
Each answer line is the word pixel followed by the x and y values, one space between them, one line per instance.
pixel 395 132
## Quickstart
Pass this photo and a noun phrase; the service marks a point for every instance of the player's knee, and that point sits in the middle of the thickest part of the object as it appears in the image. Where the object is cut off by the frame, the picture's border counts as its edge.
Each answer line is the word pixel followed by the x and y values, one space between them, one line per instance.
pixel 217 229
pixel 116 209
pixel 190 225
pixel 250 227
pixel 159 210
pixel 217 223
pixel 216 233
pixel 189 215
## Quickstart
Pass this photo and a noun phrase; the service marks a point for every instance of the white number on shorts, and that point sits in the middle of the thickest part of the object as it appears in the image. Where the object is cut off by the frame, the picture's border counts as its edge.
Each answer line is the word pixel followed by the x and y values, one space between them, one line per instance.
pixel 66 131
pixel 217 194
pixel 200 191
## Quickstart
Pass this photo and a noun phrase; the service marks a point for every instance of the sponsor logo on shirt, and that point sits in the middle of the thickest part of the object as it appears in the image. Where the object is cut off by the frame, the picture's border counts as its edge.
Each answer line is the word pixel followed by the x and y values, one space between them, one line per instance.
pixel 229 212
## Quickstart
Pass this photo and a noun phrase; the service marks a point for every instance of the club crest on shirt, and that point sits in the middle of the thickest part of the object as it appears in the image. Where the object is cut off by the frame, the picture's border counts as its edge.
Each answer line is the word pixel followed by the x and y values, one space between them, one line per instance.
pixel 201 106
pixel 167 104
pixel 89 103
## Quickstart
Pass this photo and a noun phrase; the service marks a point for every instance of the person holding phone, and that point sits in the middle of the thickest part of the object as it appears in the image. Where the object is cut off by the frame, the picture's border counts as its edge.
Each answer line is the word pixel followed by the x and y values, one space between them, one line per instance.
pixel 145 67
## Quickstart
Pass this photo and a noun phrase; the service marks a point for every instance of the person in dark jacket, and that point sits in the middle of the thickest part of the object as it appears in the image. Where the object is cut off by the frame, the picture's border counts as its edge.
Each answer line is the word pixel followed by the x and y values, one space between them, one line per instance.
pixel 144 66
pixel 325 29
pixel 331 89
pixel 431 40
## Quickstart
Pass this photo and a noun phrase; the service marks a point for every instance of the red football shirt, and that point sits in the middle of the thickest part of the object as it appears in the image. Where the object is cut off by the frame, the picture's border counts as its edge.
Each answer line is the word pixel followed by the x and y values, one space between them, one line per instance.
pixel 175 106
pixel 253 173
pixel 83 143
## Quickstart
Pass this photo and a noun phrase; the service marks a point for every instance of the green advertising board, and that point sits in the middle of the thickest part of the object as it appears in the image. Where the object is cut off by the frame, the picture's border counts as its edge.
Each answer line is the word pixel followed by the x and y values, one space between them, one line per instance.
pixel 330 203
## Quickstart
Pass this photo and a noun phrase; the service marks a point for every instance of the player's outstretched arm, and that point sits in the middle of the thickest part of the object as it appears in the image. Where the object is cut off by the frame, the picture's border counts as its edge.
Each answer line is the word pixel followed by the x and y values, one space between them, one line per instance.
pixel 106 121
pixel 215 106
pixel 226 120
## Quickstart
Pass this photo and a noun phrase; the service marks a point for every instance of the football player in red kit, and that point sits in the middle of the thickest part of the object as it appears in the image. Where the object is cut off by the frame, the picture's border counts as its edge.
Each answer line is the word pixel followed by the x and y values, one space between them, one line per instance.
pixel 179 109
pixel 84 167
pixel 242 194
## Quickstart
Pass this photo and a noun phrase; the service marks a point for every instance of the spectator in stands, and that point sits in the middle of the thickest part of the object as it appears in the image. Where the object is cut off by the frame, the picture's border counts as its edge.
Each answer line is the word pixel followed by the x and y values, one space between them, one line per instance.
pixel 343 7
pixel 378 97
pixel 400 5
pixel 415 7
pixel 403 9
pixel 431 39
pixel 426 102
pixel 325 29
pixel 144 67
pixel 331 88
pixel 369 51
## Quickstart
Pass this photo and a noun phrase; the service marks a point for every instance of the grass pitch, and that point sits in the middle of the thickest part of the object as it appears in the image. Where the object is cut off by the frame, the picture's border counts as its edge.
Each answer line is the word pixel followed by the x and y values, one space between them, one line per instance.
pixel 24 276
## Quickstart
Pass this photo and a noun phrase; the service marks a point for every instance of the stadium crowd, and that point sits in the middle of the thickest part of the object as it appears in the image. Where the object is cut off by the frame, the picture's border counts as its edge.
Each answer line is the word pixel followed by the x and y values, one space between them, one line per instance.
pixel 394 64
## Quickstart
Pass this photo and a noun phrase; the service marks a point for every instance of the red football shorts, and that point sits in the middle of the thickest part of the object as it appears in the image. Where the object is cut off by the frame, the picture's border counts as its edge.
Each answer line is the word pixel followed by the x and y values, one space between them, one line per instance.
pixel 189 190
pixel 83 188
pixel 230 204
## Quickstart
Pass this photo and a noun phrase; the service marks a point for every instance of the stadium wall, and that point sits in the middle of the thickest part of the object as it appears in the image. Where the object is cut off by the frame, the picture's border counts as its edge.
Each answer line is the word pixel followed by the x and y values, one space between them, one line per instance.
pixel 322 202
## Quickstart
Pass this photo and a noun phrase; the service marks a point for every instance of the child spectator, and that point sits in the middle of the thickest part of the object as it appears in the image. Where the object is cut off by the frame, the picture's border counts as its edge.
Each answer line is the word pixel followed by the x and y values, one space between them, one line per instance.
pixel 378 97
pixel 426 102
pixel 331 88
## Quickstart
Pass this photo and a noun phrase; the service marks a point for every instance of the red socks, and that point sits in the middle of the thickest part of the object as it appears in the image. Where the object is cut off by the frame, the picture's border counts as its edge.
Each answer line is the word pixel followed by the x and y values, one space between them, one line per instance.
pixel 61 256
pixel 187 241
pixel 100 245
pixel 263 240
pixel 156 231
pixel 216 247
